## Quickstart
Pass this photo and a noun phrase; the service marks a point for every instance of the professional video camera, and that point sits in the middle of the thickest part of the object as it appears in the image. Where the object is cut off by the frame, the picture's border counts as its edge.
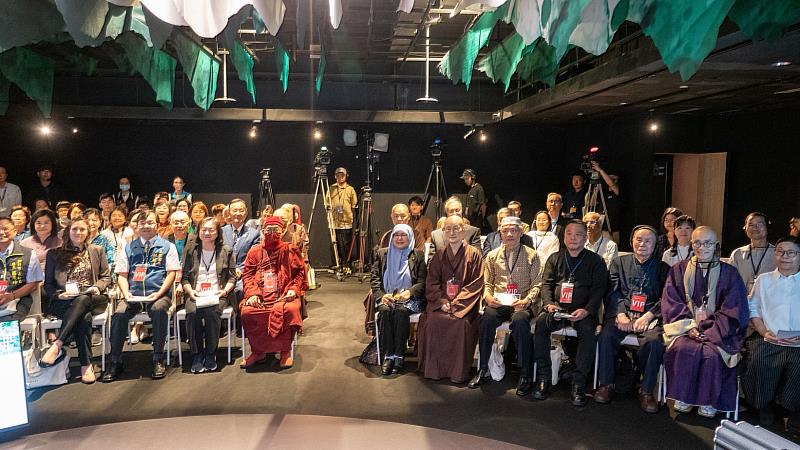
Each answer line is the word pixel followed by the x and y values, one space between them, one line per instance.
pixel 265 173
pixel 586 162
pixel 323 157
pixel 437 147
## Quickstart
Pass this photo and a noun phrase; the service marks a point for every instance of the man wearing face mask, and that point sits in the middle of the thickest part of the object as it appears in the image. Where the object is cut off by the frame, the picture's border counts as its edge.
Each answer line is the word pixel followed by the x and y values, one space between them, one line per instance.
pixel 274 279
pixel 633 306
pixel 125 196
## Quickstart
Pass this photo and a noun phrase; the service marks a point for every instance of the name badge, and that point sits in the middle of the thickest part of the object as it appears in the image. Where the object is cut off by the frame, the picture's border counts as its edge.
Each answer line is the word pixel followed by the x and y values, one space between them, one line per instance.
pixel 566 293
pixel 452 288
pixel 139 272
pixel 205 287
pixel 71 288
pixel 637 302
pixel 511 288
pixel 3 286
pixel 339 209
pixel 270 282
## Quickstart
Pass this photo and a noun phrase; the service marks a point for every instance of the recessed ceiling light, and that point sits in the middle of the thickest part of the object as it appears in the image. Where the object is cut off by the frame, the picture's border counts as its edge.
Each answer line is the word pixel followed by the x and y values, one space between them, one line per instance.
pixel 623 103
pixel 684 86
pixel 580 114
pixel 781 63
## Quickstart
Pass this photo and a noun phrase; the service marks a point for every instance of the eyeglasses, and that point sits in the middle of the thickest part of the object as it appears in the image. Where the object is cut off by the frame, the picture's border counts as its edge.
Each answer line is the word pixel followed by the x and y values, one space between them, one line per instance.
pixel 704 244
pixel 788 253
pixel 590 222
pixel 753 226
pixel 554 202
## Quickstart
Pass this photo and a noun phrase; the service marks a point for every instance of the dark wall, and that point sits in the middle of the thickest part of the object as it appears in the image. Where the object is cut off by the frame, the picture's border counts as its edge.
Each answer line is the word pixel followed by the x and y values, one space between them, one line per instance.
pixel 521 162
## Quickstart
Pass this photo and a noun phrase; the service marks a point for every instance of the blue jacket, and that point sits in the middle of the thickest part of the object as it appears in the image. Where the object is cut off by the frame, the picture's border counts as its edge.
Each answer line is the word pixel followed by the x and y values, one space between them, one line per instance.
pixel 155 261
pixel 249 237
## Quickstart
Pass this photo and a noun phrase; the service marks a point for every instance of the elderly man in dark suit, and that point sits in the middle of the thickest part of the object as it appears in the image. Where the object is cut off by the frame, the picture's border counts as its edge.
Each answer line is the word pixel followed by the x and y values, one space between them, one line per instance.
pixel 452 207
pixel 240 237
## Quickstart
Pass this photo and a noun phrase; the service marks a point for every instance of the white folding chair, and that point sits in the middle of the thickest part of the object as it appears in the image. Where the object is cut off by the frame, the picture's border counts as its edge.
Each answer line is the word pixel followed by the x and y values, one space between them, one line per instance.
pixel 227 314
pixel 629 341
pixel 412 318
pixel 100 320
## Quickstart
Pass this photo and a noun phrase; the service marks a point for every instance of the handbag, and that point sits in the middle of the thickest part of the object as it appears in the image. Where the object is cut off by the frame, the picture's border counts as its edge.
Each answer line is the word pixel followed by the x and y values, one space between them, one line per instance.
pixel 370 354
pixel 37 377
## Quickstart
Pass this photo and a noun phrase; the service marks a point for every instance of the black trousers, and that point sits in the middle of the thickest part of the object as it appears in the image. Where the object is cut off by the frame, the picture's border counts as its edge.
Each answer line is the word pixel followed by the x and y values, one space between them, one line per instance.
pixel 76 321
pixel 773 373
pixel 650 354
pixel 202 326
pixel 344 238
pixel 23 308
pixel 393 329
pixel 546 324
pixel 520 333
pixel 125 311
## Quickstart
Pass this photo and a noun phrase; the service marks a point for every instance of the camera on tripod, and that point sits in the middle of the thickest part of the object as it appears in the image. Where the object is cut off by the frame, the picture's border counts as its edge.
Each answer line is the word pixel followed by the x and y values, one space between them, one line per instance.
pixel 593 155
pixel 437 147
pixel 323 157
pixel 265 173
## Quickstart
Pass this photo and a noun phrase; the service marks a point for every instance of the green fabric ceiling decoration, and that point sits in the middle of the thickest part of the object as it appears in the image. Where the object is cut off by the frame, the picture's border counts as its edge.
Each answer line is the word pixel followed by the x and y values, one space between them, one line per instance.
pixel 84 19
pixel 683 31
pixel 501 62
pixel 560 23
pixel 156 66
pixel 457 63
pixel 539 63
pixel 322 63
pixel 83 63
pixel 282 63
pixel 31 72
pixel 201 69
pixel 5 86
pixel 244 67
pixel 599 21
pixel 765 19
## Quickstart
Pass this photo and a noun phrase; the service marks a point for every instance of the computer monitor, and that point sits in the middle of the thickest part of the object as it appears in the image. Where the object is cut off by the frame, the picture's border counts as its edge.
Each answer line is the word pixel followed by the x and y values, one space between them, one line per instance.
pixel 12 378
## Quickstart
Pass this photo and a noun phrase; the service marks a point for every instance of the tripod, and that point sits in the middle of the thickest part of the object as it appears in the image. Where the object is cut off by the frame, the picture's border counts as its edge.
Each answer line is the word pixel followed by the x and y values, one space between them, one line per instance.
pixel 265 195
pixel 322 187
pixel 365 233
pixel 439 188
pixel 594 193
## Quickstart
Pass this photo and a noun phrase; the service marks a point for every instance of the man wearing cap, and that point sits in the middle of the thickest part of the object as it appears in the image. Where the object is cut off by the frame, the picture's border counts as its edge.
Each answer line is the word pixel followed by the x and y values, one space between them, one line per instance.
pixel 633 306
pixel 343 201
pixel 511 277
pixel 494 240
pixel 274 281
pixel 46 189
pixel 476 199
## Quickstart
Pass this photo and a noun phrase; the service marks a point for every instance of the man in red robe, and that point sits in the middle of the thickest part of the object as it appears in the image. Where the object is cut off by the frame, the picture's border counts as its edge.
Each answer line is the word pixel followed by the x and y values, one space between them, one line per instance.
pixel 274 279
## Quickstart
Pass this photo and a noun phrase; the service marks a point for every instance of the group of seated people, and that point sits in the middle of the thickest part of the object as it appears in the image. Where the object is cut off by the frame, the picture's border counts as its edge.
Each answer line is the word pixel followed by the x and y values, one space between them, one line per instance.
pixel 684 306
pixel 688 309
pixel 153 261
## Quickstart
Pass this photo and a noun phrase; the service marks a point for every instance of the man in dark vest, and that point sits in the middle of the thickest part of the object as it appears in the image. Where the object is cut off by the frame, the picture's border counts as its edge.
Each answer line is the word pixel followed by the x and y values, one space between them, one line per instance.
pixel 145 273
pixel 20 274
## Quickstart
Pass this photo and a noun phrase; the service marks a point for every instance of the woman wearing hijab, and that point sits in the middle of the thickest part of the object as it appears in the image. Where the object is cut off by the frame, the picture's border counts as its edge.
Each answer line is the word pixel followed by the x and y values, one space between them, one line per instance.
pixel 398 287
pixel 274 279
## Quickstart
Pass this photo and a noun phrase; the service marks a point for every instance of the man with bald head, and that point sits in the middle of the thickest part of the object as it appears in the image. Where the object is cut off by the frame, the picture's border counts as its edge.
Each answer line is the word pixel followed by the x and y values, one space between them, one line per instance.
pixel 472 235
pixel 400 214
pixel 705 312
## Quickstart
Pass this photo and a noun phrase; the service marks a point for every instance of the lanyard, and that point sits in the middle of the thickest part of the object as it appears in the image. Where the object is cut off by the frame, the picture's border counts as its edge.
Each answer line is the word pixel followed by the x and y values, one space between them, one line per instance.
pixel 516 260
pixel 447 260
pixel 208 264
pixel 599 245
pixel 756 268
pixel 572 269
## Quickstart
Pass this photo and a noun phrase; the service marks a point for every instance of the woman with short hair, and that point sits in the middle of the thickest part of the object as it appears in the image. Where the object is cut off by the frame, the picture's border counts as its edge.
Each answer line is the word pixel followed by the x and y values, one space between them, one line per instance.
pixel 94 218
pixel 681 249
pixel 544 241
pixel 45 234
pixel 197 213
pixel 163 212
pixel 21 218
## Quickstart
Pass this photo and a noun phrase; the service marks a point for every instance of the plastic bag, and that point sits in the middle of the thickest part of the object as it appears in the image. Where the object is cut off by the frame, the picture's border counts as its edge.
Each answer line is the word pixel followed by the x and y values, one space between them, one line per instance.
pixel 497 367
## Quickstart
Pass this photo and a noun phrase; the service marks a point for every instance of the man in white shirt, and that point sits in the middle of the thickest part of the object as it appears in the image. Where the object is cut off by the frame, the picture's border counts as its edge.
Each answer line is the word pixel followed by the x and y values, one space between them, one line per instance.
pixel 146 271
pixel 597 242
pixel 759 255
pixel 10 194
pixel 773 370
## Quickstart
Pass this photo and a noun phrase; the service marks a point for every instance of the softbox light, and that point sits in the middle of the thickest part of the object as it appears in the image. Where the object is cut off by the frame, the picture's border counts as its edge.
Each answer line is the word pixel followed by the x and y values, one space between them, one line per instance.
pixel 380 142
pixel 350 138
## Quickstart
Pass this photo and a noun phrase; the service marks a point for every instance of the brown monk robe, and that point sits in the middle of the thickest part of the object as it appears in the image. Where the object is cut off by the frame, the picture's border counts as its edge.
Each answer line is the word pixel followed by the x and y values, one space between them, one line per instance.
pixel 448 329
pixel 274 278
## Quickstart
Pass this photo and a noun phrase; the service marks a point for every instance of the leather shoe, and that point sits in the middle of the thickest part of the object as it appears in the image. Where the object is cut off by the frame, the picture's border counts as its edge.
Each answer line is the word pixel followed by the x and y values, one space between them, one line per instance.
pixel 765 416
pixel 578 396
pixel 399 366
pixel 112 373
pixel 525 386
pixel 482 377
pixel 647 402
pixel 387 366
pixel 603 394
pixel 159 370
pixel 542 389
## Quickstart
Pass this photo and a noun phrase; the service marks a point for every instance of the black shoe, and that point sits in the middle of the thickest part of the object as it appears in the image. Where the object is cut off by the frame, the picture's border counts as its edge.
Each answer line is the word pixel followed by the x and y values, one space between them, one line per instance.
pixel 387 366
pixel 765 416
pixel 112 373
pixel 525 386
pixel 578 396
pixel 542 389
pixel 97 338
pixel 482 377
pixel 399 365
pixel 159 370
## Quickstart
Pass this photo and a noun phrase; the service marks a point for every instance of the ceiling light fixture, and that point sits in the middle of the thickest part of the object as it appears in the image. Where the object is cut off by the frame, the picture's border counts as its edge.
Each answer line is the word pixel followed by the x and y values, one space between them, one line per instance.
pixel 74 131
pixel 483 136
pixel 653 127
pixel 427 98
pixel 252 132
pixel 45 130
pixel 224 99
pixel 781 63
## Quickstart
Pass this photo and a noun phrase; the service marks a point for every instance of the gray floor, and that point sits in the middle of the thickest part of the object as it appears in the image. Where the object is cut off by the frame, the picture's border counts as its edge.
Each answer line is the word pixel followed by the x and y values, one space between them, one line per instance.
pixel 328 380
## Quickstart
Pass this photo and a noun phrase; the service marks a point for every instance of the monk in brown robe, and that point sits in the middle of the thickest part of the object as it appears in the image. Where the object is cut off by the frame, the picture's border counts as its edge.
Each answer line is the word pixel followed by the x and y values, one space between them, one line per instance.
pixel 448 329
pixel 274 279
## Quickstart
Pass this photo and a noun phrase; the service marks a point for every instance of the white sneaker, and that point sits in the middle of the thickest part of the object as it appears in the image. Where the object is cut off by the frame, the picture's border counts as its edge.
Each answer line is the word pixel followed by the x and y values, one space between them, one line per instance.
pixel 682 407
pixel 707 411
pixel 134 337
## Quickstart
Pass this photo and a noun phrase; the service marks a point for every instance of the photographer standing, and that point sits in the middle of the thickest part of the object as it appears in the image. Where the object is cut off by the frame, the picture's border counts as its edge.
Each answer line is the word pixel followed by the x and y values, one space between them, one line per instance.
pixel 574 198
pixel 611 196
pixel 476 199
pixel 343 201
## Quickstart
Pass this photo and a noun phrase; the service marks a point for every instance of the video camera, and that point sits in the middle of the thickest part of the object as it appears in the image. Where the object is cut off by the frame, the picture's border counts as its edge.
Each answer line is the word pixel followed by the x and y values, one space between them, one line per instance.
pixel 265 173
pixel 593 155
pixel 437 147
pixel 323 157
